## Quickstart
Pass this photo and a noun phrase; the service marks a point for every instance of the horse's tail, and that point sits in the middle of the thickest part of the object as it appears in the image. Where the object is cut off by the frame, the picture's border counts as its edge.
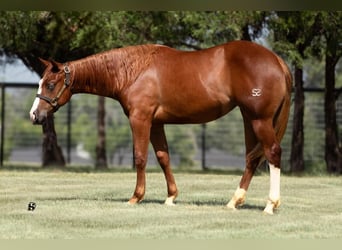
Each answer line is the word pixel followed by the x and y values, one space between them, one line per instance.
pixel 281 117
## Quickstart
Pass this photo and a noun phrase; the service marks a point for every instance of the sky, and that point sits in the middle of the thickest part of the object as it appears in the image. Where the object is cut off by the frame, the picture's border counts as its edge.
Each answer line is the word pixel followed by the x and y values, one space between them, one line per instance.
pixel 18 73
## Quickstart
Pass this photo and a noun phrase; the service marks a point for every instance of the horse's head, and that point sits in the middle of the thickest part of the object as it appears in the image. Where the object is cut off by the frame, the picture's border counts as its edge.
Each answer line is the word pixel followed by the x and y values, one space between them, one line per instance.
pixel 53 92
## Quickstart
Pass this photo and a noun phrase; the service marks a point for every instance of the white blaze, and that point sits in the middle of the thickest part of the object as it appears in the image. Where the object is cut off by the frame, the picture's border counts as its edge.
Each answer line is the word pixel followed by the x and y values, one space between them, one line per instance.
pixel 36 101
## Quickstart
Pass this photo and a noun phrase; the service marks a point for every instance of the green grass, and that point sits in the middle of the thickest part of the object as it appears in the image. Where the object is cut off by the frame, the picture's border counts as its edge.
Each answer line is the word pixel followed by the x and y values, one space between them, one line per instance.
pixel 77 205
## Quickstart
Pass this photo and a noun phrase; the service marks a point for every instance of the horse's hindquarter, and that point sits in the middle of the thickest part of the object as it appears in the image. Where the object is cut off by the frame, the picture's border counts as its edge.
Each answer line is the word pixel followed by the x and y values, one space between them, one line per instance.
pixel 257 78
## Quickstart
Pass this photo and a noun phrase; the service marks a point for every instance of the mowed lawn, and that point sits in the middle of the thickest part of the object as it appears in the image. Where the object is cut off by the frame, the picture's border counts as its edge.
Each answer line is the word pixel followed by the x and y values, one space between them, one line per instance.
pixel 75 205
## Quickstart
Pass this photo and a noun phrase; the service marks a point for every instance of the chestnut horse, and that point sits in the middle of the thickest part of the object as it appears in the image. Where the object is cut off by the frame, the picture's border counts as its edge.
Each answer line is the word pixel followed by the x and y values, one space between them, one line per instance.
pixel 158 85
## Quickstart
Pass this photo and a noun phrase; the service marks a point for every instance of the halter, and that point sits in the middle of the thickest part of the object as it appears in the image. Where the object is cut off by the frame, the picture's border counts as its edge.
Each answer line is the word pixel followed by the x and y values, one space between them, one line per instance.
pixel 54 101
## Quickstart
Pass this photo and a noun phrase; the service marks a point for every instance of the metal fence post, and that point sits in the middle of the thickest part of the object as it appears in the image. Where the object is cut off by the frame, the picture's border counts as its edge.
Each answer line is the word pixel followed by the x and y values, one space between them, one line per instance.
pixel 2 124
pixel 69 132
pixel 203 148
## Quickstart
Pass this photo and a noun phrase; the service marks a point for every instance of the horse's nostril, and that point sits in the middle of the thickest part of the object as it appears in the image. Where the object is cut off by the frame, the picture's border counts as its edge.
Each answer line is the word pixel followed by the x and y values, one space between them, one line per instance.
pixel 34 117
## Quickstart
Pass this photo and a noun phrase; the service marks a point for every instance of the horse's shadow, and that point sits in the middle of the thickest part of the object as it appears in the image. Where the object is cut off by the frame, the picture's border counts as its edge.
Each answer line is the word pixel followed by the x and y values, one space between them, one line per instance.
pixel 214 203
pixel 223 204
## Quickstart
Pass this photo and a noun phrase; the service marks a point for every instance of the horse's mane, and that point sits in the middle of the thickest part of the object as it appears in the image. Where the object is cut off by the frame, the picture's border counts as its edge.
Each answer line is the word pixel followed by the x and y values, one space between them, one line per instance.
pixel 121 66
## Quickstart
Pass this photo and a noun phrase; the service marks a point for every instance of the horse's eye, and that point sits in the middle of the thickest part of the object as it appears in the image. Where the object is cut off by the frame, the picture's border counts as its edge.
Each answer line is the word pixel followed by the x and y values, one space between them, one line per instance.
pixel 50 86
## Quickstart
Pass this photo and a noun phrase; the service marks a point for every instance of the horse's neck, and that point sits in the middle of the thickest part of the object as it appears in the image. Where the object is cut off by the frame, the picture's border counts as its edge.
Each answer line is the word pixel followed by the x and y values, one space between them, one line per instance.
pixel 93 76
pixel 109 73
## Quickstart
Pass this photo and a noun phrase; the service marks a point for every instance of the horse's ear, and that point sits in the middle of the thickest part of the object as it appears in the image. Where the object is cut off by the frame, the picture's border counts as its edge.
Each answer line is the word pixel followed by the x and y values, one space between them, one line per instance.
pixel 55 66
pixel 44 62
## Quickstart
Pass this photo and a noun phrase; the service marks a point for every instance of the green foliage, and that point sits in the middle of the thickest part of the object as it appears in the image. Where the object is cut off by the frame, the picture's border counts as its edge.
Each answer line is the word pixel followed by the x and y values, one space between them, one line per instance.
pixel 293 33
pixel 300 34
pixel 14 27
pixel 187 29
pixel 331 28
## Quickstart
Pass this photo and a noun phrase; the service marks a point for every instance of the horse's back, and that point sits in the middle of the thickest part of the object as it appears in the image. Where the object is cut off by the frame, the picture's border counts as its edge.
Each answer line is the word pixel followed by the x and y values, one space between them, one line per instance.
pixel 236 60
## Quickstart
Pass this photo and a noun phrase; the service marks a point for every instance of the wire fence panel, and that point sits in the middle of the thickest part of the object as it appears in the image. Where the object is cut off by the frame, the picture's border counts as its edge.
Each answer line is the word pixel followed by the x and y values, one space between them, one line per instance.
pixel 217 144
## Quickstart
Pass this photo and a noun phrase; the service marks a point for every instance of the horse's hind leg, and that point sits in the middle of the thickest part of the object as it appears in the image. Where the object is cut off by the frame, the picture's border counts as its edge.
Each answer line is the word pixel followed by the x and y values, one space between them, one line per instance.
pixel 252 162
pixel 158 140
pixel 260 131
pixel 266 135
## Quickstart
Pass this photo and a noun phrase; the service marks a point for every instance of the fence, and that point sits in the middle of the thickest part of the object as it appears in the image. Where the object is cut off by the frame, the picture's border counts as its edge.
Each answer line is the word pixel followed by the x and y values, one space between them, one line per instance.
pixel 218 144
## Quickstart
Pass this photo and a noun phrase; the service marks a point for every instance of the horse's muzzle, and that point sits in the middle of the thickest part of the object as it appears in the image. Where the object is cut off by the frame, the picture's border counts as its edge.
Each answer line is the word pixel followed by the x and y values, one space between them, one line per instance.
pixel 37 119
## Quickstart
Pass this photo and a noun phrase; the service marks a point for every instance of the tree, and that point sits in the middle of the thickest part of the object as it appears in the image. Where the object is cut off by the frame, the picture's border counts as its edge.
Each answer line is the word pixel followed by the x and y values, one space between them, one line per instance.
pixel 331 27
pixel 52 153
pixel 46 35
pixel 101 156
pixel 14 44
pixel 293 36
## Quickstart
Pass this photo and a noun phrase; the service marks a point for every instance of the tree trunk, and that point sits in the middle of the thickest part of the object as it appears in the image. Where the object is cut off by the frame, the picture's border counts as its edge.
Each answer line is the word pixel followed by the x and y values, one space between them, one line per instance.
pixel 245 33
pixel 333 152
pixel 297 152
pixel 52 153
pixel 101 158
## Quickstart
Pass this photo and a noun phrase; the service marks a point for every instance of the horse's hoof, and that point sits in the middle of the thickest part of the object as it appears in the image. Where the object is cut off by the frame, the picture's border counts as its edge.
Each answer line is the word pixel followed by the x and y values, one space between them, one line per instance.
pixel 169 201
pixel 268 211
pixel 130 203
pixel 270 206
pixel 134 200
pixel 231 206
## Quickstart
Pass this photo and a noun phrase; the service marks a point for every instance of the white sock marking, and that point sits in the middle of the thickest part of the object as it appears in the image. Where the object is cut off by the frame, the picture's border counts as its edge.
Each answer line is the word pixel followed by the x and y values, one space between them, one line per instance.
pixel 274 182
pixel 169 201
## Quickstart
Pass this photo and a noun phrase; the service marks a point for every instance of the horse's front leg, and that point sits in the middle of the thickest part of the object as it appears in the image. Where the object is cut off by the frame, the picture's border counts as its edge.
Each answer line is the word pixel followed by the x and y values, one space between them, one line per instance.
pixel 141 133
